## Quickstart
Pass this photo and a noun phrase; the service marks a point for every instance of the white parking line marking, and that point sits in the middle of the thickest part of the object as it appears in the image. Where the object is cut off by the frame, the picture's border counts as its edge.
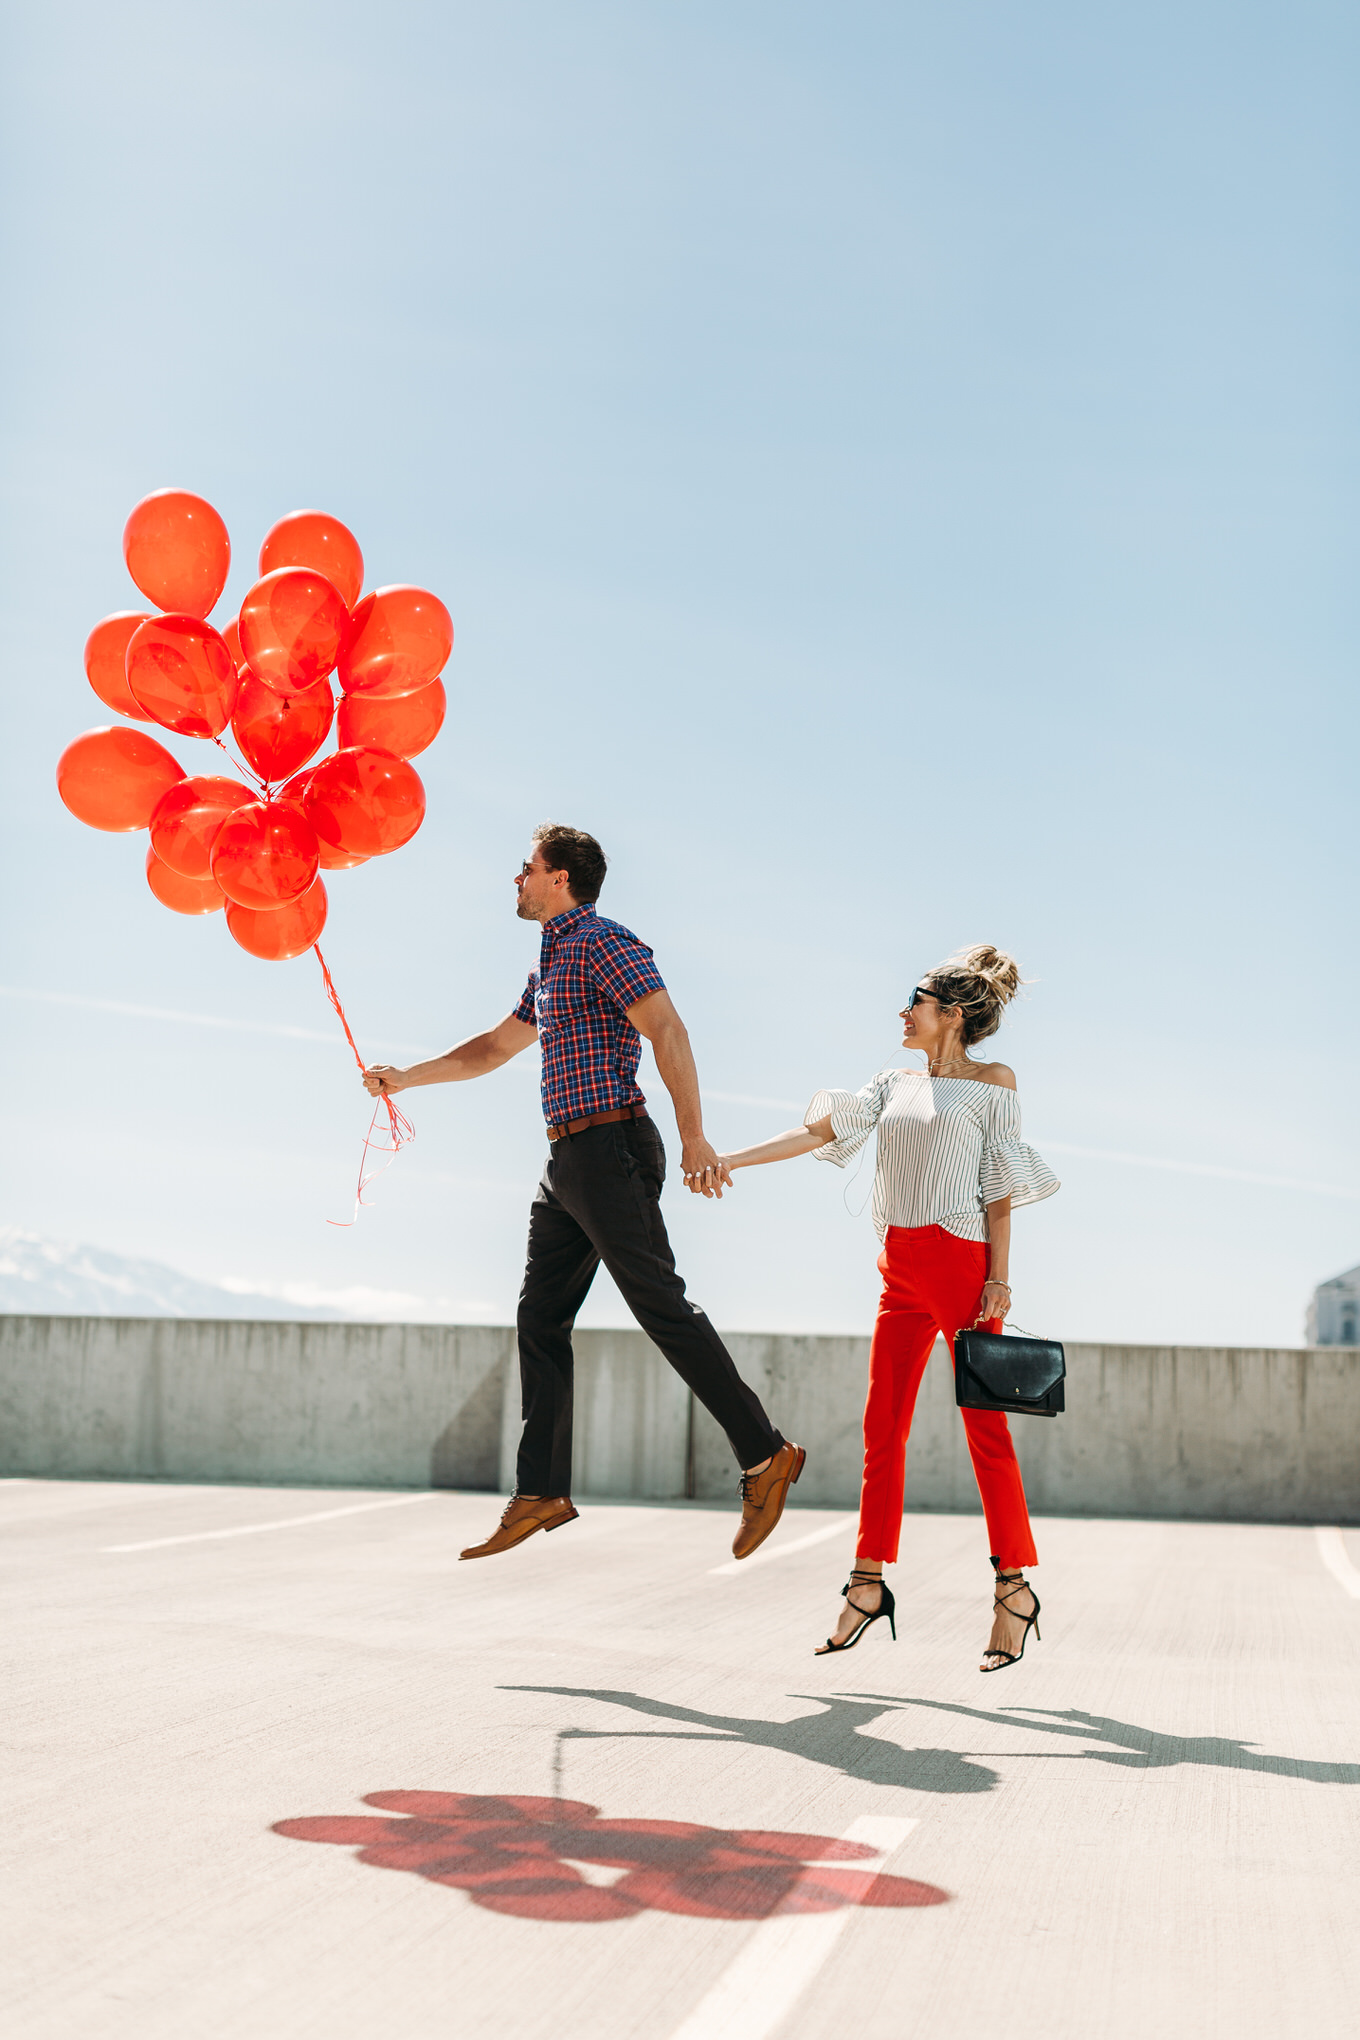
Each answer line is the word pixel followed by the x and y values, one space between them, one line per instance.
pixel 765 1555
pixel 284 1523
pixel 1334 1555
pixel 761 1985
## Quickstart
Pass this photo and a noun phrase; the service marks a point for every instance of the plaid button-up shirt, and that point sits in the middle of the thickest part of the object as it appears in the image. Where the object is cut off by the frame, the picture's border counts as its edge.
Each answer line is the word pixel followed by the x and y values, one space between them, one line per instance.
pixel 589 972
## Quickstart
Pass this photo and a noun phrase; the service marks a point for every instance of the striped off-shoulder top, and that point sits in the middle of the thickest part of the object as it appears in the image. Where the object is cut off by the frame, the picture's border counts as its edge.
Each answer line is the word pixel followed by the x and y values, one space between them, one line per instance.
pixel 947 1148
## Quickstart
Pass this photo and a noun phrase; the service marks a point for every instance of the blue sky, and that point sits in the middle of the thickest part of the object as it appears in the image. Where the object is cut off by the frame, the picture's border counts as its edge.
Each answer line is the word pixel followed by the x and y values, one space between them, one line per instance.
pixel 892 473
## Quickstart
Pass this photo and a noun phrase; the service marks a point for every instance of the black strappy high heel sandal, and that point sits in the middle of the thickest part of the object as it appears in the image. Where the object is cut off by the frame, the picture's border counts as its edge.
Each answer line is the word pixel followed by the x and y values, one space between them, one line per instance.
pixel 887 1606
pixel 1001 1602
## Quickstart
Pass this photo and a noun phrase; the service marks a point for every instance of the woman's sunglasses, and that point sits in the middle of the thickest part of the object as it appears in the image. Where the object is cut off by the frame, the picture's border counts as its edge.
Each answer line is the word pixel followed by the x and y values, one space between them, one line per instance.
pixel 924 992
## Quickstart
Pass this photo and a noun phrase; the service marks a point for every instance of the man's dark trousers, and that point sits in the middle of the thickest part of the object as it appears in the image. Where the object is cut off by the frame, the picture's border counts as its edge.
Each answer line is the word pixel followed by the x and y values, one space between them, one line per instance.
pixel 600 1200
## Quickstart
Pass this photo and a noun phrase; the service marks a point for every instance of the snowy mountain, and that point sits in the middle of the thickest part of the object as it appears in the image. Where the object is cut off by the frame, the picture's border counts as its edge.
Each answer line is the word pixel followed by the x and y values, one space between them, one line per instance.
pixel 46 1278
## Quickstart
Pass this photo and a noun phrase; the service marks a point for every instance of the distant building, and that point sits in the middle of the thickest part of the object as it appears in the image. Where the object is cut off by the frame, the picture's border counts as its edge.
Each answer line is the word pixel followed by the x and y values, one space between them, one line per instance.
pixel 1334 1313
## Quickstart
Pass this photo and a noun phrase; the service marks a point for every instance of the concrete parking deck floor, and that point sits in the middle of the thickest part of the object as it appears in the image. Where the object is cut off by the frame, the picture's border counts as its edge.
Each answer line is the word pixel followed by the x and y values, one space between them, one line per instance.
pixel 279 1765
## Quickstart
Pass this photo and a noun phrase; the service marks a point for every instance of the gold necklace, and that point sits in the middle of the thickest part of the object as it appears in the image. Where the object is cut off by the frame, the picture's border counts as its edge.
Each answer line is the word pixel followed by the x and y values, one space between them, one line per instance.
pixel 935 1069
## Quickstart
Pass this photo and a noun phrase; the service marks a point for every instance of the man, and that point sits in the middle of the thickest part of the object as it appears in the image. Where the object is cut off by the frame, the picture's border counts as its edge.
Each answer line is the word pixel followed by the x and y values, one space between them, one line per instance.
pixel 595 993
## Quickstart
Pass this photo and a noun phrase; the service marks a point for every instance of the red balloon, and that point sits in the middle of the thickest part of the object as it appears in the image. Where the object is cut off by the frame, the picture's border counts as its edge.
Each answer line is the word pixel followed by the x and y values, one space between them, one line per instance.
pixel 285 932
pixel 106 662
pixel 187 819
pixel 338 860
pixel 364 800
pixel 112 779
pixel 183 895
pixel 399 639
pixel 309 538
pixel 265 854
pixel 231 637
pixel 405 725
pixel 279 732
pixel 332 859
pixel 181 672
pixel 291 625
pixel 177 551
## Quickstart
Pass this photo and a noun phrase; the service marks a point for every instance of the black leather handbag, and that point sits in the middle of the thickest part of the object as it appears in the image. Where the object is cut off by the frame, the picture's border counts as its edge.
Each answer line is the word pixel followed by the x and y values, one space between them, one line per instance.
pixel 1023 1375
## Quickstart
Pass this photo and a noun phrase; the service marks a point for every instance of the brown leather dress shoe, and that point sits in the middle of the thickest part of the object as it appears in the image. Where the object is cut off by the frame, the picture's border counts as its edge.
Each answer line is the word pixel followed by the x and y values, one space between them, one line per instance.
pixel 523 1515
pixel 762 1498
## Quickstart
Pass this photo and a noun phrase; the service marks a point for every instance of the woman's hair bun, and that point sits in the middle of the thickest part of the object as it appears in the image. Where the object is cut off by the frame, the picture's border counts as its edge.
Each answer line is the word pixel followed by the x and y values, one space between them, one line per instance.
pixel 999 970
pixel 983 981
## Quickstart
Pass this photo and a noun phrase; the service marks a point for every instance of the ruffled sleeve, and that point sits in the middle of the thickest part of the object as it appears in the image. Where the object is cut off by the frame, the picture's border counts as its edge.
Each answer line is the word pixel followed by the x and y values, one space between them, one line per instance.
pixel 853 1116
pixel 1010 1167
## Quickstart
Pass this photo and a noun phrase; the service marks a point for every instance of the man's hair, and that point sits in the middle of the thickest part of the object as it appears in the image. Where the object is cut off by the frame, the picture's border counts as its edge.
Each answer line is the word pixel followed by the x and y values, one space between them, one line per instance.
pixel 576 853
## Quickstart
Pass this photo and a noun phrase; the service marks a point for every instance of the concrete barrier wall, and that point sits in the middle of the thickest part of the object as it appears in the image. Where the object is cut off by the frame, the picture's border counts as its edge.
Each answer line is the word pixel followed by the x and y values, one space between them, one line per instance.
pixel 1182 1431
pixel 228 1400
pixel 1256 1435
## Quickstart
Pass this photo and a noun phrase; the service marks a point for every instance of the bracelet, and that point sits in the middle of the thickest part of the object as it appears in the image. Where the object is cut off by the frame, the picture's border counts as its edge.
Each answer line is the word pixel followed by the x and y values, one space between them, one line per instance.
pixel 995 1282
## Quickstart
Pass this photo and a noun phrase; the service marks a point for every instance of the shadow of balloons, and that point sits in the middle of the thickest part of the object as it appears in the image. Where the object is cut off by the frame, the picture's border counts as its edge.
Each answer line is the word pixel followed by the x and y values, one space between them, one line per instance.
pixel 532 1858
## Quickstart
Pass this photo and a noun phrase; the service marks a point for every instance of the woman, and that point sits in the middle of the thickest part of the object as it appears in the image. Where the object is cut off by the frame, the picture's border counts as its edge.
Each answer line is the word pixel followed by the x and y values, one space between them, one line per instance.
pixel 951 1166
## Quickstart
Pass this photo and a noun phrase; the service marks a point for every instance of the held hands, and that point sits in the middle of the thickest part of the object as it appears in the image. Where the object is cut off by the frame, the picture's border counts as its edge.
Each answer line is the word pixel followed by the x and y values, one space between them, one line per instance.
pixel 382 1080
pixel 996 1302
pixel 704 1170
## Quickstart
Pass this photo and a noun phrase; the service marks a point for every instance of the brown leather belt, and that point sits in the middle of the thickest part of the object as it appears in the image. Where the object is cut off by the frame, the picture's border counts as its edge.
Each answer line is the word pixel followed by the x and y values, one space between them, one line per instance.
pixel 597 1119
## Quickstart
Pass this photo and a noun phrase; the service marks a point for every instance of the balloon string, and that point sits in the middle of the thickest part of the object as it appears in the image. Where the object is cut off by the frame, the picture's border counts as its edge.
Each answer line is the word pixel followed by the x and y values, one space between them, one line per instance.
pixel 399 1127
pixel 248 770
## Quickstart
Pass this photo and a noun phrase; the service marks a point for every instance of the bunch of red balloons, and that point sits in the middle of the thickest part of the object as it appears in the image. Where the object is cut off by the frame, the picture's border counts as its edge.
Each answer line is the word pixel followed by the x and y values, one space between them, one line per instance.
pixel 258 850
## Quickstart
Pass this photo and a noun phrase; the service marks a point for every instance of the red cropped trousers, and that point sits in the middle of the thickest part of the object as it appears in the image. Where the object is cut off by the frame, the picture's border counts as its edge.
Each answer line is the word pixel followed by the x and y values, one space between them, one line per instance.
pixel 932 1282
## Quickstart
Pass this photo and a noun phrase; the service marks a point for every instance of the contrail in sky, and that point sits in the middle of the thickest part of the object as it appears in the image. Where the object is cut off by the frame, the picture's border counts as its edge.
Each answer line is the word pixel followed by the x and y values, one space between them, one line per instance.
pixel 1062 1147
pixel 1090 1154
pixel 280 1032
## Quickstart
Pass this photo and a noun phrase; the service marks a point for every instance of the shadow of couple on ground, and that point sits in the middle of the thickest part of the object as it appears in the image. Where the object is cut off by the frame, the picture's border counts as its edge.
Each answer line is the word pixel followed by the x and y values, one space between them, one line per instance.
pixel 835 1737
